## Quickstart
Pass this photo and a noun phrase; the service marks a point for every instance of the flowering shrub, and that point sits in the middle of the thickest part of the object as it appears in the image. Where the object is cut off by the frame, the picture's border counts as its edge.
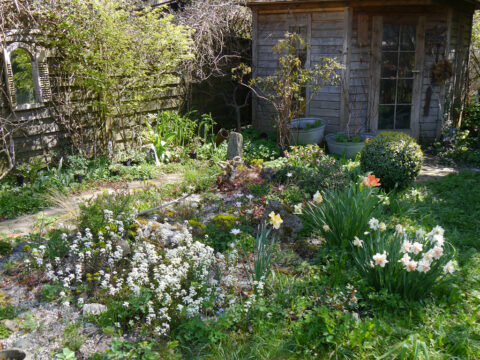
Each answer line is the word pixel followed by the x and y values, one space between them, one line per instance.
pixel 341 215
pixel 310 169
pixel 406 265
pixel 308 155
pixel 176 275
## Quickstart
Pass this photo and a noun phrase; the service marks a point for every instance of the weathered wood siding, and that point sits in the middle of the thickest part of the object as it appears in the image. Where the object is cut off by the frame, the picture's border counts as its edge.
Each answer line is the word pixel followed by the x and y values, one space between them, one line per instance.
pixel 459 45
pixel 328 32
pixel 351 35
pixel 324 32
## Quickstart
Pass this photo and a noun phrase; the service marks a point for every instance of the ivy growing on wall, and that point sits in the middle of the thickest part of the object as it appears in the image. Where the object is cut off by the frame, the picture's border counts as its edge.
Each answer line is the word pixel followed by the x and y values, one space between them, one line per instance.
pixel 114 57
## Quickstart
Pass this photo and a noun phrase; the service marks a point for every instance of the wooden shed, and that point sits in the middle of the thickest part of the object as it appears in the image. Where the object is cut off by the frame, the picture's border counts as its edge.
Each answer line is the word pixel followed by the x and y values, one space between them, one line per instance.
pixel 405 61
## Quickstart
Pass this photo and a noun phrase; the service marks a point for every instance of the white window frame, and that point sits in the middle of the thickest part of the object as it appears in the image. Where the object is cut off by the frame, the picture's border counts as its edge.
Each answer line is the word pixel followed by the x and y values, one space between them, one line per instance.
pixel 39 72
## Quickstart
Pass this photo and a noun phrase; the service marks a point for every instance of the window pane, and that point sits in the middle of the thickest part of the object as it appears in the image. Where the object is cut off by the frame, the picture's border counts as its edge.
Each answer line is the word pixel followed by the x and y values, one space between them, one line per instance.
pixel 406 64
pixel 402 120
pixel 390 37
pixel 404 91
pixel 408 37
pixel 387 91
pixel 23 76
pixel 389 64
pixel 386 115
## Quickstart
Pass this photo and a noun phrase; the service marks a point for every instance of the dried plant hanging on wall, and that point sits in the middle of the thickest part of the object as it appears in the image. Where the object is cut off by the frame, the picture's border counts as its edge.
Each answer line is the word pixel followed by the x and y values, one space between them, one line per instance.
pixel 442 71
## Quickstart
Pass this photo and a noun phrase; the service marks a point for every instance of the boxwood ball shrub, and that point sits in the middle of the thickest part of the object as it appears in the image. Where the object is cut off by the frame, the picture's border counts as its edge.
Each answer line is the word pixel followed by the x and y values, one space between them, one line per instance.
pixel 394 157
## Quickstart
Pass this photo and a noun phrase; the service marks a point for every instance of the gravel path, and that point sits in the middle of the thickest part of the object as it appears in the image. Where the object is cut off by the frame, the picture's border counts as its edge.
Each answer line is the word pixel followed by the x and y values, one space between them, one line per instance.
pixel 25 224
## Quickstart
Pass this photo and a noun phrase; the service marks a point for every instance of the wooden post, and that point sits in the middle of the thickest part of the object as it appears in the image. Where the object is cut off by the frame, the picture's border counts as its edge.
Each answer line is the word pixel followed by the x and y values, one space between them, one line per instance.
pixel 375 69
pixel 254 64
pixel 346 56
pixel 418 81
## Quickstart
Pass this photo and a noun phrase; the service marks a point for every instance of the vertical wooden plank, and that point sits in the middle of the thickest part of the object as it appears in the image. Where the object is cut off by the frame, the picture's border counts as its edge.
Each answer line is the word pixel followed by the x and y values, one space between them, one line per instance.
pixel 375 67
pixel 345 96
pixel 418 82
pixel 362 30
pixel 254 65
pixel 309 54
pixel 444 113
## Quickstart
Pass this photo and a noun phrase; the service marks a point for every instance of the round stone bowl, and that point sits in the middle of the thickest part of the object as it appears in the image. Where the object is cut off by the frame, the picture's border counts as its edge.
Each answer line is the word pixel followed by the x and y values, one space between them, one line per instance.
pixel 13 354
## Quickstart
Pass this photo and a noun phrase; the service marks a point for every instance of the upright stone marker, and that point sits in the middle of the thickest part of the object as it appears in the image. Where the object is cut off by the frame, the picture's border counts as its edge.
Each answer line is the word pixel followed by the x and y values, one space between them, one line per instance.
pixel 235 145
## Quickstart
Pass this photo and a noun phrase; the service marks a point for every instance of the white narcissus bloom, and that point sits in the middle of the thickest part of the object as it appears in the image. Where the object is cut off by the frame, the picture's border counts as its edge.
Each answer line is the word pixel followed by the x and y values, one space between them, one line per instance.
pixel 423 266
pixel 438 230
pixel 411 265
pixel 289 174
pixel 405 259
pixel 317 197
pixel 380 259
pixel 374 224
pixel 438 239
pixel 298 209
pixel 449 268
pixel 437 252
pixel 235 231
pixel 417 248
pixel 382 226
pixel 275 220
pixel 406 246
pixel 326 228
pixel 420 234
pixel 428 256
pixel 399 229
pixel 357 242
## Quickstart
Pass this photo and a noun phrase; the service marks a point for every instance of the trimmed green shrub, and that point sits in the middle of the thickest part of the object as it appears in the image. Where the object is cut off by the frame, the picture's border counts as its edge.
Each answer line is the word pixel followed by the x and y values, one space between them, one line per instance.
pixel 394 157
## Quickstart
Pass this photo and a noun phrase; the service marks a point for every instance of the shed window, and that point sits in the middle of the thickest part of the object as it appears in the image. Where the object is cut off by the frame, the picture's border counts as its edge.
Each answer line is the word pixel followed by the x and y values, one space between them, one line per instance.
pixel 396 84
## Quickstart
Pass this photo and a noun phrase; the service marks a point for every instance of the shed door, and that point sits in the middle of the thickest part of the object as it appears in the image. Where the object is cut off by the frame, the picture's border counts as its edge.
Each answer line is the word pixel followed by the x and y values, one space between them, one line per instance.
pixel 398 76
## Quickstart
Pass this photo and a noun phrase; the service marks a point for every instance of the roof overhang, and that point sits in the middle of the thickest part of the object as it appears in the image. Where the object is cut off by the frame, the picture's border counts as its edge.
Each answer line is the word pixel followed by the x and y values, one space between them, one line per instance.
pixel 473 4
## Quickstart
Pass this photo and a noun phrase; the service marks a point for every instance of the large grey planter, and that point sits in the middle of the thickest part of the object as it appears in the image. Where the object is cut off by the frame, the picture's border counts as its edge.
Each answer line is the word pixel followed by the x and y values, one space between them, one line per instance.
pixel 349 149
pixel 299 136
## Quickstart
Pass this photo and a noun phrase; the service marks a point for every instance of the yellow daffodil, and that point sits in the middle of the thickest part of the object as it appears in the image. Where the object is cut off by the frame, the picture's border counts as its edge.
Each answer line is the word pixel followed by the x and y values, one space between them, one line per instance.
pixel 275 220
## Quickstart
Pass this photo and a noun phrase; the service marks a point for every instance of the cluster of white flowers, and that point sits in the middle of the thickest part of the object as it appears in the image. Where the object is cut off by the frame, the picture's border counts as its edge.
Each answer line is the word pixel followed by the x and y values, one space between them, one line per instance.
pixel 182 274
pixel 415 257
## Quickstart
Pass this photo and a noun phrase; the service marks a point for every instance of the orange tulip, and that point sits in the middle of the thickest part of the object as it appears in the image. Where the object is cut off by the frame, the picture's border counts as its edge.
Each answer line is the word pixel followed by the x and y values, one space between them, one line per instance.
pixel 371 180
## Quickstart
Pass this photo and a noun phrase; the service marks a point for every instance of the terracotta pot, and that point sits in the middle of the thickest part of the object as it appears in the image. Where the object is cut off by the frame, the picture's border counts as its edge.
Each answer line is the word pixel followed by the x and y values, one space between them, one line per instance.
pixel 221 136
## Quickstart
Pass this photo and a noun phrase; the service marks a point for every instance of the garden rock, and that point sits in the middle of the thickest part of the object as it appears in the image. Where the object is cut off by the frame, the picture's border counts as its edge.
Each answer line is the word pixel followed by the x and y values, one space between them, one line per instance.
pixel 291 225
pixel 19 247
pixel 124 245
pixel 23 344
pixel 10 325
pixel 268 173
pixel 235 145
pixel 93 309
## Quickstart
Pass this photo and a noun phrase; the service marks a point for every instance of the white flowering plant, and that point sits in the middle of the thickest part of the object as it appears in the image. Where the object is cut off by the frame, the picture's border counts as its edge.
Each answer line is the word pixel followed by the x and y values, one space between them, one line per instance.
pixel 340 215
pixel 410 265
pixel 175 275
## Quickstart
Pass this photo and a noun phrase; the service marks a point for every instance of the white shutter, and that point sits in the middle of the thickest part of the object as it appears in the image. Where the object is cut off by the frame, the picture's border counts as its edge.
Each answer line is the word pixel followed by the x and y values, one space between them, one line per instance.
pixel 9 78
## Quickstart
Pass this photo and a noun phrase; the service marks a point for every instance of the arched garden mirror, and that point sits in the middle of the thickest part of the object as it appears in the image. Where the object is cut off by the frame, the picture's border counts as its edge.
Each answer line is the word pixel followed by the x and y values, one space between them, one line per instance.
pixel 22 69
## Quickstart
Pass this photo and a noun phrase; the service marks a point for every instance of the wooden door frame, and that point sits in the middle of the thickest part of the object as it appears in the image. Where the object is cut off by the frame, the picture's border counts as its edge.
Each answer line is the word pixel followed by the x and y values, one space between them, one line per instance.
pixel 375 74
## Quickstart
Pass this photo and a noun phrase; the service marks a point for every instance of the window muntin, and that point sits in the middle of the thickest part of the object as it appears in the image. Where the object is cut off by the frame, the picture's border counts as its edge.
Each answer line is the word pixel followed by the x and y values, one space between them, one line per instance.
pixel 396 82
